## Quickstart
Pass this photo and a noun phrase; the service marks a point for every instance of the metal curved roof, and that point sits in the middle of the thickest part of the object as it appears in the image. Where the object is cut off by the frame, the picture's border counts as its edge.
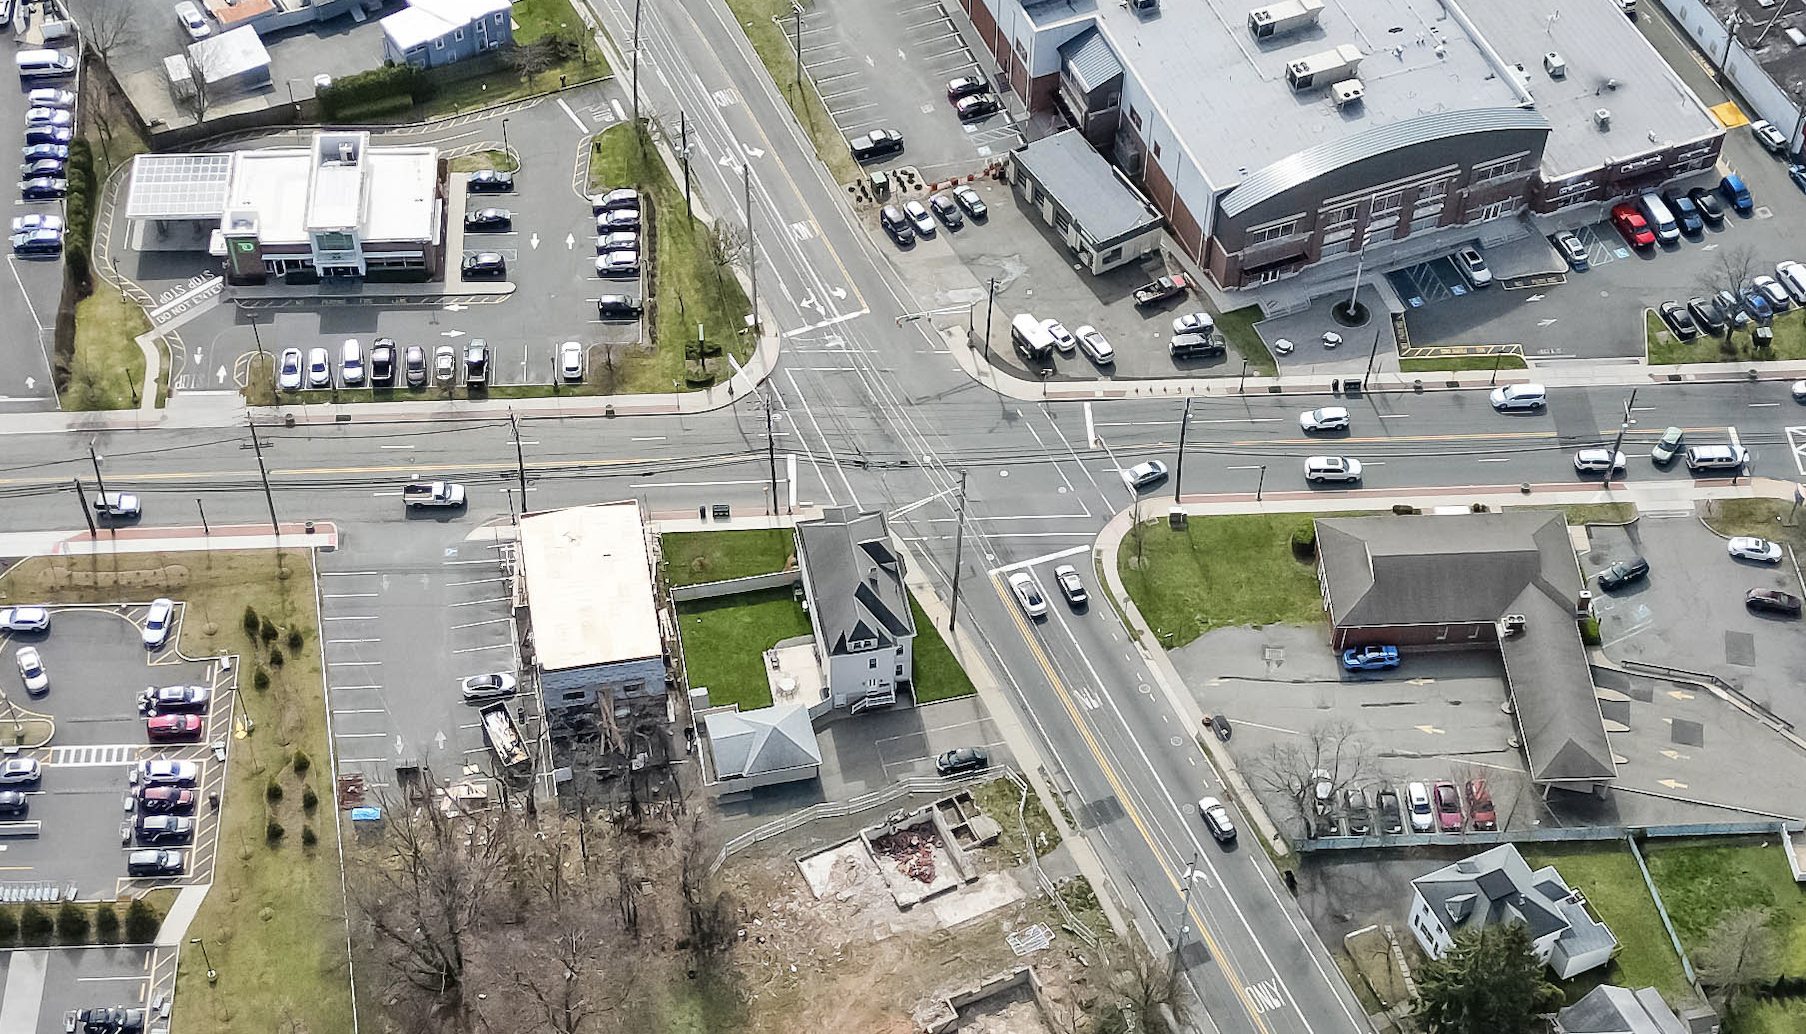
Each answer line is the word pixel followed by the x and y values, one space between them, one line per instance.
pixel 1295 170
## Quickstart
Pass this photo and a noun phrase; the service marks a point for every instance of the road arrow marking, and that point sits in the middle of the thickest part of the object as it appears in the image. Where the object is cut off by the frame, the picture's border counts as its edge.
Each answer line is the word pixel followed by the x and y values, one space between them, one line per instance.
pixel 1534 298
pixel 1675 755
pixel 570 241
pixel 1419 681
pixel 451 333
pixel 534 241
pixel 455 307
pixel 439 739
pixel 753 152
pixel 220 375
pixel 1672 784
pixel 1544 323
pixel 1431 730
pixel 838 292
pixel 398 744
pixel 30 383
pixel 1680 694
pixel 1707 247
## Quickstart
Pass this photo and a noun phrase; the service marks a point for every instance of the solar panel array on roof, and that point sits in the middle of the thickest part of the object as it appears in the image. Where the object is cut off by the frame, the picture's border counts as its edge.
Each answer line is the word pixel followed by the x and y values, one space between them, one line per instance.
pixel 178 186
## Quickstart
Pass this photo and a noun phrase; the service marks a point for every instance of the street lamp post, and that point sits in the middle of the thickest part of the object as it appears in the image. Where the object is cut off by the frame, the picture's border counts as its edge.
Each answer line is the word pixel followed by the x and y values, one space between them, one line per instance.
pixel 1260 486
pixel 506 151
pixel 1179 469
pixel 212 974
pixel 990 302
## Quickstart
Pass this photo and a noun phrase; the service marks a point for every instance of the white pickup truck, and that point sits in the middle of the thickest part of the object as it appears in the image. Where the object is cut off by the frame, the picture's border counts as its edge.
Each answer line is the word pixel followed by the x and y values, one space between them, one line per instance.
pixel 433 493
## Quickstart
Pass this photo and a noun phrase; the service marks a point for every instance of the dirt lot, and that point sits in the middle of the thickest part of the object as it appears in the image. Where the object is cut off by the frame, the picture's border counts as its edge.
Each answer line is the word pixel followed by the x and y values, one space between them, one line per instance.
pixel 852 960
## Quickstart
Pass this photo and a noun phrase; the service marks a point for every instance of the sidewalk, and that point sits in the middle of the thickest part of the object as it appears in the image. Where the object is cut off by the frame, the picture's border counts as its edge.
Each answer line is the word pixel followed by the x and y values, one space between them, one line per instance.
pixel 1109 541
pixel 323 536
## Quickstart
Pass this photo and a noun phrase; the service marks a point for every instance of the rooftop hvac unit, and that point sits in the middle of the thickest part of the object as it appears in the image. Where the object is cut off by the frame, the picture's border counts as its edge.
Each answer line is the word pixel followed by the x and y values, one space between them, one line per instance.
pixel 1330 66
pixel 1283 17
pixel 1555 65
pixel 1144 6
pixel 1602 117
pixel 1794 36
pixel 1347 92
pixel 1515 624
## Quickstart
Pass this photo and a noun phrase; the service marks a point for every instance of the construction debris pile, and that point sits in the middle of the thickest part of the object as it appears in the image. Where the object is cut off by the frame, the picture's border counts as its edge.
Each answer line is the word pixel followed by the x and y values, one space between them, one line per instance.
pixel 912 849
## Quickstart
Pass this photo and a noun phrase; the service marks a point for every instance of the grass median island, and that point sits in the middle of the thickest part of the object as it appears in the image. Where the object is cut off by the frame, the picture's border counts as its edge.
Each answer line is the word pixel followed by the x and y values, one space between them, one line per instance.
pixel 273 919
pixel 689 280
pixel 758 19
pixel 1665 349
pixel 725 639
pixel 1220 572
pixel 938 675
pixel 1613 884
pixel 694 557
pixel 1763 518
pixel 107 369
pixel 1461 363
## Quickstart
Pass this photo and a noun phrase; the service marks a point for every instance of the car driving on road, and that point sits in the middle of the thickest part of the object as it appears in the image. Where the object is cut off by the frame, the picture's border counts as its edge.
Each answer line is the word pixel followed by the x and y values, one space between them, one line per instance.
pixel 1067 578
pixel 1332 468
pixel 1028 594
pixel 1598 461
pixel 1519 396
pixel 1141 475
pixel 31 671
pixel 1216 819
pixel 24 619
pixel 1329 418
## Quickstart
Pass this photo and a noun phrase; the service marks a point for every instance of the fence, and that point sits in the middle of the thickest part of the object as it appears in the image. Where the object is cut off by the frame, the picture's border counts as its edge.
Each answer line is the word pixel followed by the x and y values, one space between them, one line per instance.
pixel 1738 65
pixel 750 583
pixel 1079 929
pixel 1550 835
pixel 835 809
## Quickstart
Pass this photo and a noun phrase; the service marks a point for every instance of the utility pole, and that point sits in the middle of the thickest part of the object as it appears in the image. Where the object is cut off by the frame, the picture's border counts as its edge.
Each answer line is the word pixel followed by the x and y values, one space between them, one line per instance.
pixel 1372 354
pixel 1179 472
pixel 206 532
pixel 87 514
pixel 1623 426
pixel 1185 913
pixel 520 461
pixel 1260 485
pixel 990 301
pixel 959 544
pixel 771 453
pixel 636 73
pixel 798 8
pixel 752 255
pixel 268 496
pixel 1730 36
pixel 94 457
pixel 683 151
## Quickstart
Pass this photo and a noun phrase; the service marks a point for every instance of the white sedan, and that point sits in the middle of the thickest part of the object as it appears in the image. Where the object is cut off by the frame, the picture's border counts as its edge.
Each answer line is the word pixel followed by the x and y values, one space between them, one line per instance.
pixel 156 623
pixel 288 373
pixel 1598 461
pixel 570 361
pixel 31 670
pixel 24 619
pixel 1748 547
pixel 1332 468
pixel 1193 323
pixel 1329 418
pixel 319 369
pixel 1062 338
pixel 1028 594
pixel 1141 475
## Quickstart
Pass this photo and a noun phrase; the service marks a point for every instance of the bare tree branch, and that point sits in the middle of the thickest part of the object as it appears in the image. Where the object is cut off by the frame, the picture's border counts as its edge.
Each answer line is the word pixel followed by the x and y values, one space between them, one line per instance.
pixel 105 24
pixel 1311 771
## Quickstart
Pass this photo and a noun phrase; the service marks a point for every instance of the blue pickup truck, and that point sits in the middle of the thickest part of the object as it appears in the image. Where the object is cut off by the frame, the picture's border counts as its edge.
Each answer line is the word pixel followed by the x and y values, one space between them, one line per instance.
pixel 1370 658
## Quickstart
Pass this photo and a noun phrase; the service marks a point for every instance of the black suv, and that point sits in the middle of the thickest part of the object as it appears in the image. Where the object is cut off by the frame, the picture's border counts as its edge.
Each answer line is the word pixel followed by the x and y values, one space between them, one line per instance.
pixel 897 225
pixel 1623 573
pixel 618 307
pixel 485 265
pixel 155 863
pixel 965 759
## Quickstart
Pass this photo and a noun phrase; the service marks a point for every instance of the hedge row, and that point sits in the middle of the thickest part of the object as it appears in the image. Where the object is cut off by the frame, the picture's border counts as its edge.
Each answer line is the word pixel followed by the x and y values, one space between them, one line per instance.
pixel 377 89
pixel 78 209
pixel 72 923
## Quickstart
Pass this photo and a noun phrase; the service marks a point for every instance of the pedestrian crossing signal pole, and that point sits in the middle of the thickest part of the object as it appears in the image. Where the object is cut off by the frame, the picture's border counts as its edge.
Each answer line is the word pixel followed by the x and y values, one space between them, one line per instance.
pixel 264 474
pixel 1179 470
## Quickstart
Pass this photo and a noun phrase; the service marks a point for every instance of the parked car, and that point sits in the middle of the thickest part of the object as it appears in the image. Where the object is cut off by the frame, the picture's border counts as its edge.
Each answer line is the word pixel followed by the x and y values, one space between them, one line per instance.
pixel 617 219
pixel 1356 811
pixel 1028 594
pixel 445 364
pixel 618 265
pixel 488 220
pixel 1705 316
pixel 415 361
pixel 1632 225
pixel 897 226
pixel 570 361
pixel 1417 798
pixel 1707 203
pixel 1194 323
pixel 319 368
pixel 483 689
pixel 616 199
pixel 1730 310
pixel 977 106
pixel 43 188
pixel 1389 818
pixel 24 619
pixel 288 370
pixel 1370 658
pixel 488 265
pixel 1772 140
pixel 1772 601
pixel 1323 788
pixel 1448 808
pixel 1571 250
pixel 351 363
pixel 1519 396
pixel 919 217
pixel 618 307
pixel 1665 448
pixel 48 134
pixel 37 242
pixel 155 863
pixel 970 201
pixel 164 772
pixel 1797 173
pixel 31 670
pixel 965 86
pixel 1141 475
pixel 620 240
pixel 1093 343
pixel 1332 468
pixel 946 211
pixel 1480 806
pixel 1685 213
pixel 189 14
pixel 1067 578
pixel 1216 819
pixel 962 759
pixel 382 363
pixel 1678 320
pixel 48 117
pixel 164 829
pixel 489 181
pixel 174 699
pixel 1329 418
pixel 1472 267
pixel 1062 338
pixel 1793 278
pixel 1623 573
pixel 875 144
pixel 112 1020
pixel 20 772
pixel 50 97
pixel 165 800
pixel 157 620
pixel 1598 461
pixel 14 804
pixel 165 728
pixel 1756 303
pixel 43 168
pixel 1195 346
pixel 1748 547
pixel 1772 292
pixel 1737 193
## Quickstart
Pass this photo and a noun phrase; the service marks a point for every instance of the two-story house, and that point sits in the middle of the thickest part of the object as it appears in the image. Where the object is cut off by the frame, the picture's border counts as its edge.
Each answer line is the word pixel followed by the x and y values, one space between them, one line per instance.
pixel 1496 887
pixel 858 606
pixel 430 33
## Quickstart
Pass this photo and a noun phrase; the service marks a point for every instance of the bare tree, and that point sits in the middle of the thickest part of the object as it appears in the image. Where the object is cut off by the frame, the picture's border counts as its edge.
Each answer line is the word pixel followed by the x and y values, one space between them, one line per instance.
pixel 531 59
pixel 1148 991
pixel 1740 954
pixel 105 24
pixel 194 94
pixel 1311 771
pixel 1731 269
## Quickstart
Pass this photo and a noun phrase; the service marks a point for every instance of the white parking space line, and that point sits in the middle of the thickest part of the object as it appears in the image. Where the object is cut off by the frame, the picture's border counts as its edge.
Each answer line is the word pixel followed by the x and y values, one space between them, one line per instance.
pixel 350 617
pixel 480 649
pixel 1032 561
pixel 476 624
pixel 351 574
pixel 337 688
pixel 350 595
pixel 334 642
pixel 497 599
pixel 362 735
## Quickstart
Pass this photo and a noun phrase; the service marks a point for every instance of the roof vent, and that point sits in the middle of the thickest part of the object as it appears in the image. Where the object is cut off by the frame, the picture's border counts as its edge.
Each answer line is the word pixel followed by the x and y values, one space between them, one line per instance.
pixel 1555 65
pixel 1515 624
pixel 1144 6
pixel 1347 92
pixel 1602 117
pixel 1322 69
pixel 1283 17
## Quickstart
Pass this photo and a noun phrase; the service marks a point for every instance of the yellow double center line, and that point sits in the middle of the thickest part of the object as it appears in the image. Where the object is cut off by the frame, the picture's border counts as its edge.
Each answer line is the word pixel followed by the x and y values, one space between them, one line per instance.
pixel 1122 794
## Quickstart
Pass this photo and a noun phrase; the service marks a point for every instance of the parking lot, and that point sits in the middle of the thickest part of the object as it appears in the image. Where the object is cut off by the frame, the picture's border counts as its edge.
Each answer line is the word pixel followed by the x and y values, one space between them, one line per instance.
pixel 1689 613
pixel 42 984
pixel 885 64
pixel 549 249
pixel 98 666
pixel 406 620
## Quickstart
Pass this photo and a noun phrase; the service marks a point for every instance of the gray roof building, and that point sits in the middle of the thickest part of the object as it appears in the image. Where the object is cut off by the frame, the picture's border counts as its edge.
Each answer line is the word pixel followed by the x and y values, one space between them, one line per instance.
pixel 1610 1009
pixel 855 579
pixel 767 745
pixel 1505 577
pixel 1497 886
pixel 1092 199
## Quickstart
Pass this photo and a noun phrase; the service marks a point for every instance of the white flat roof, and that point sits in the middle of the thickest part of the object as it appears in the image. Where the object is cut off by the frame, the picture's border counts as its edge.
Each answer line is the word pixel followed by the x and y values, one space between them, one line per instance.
pixel 402 199
pixel 589 586
pixel 276 184
pixel 233 52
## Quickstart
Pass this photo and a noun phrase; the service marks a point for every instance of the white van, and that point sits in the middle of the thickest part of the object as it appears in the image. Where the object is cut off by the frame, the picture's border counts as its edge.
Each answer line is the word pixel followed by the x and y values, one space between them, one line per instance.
pixel 1716 457
pixel 1660 219
pixel 351 363
pixel 1417 802
pixel 1031 337
pixel 44 64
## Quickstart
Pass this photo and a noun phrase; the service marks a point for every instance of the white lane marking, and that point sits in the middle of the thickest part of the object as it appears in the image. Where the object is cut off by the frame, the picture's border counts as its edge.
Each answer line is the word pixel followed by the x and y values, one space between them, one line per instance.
pixel 1495 459
pixel 348 574
pixel 1090 429
pixel 581 128
pixel 395 446
pixel 1764 405
pixel 1733 432
pixel 1032 561
pixel 351 617
pixel 475 624
pixel 480 649
pixel 653 438
pixel 833 458
pixel 351 595
pixel 478 603
pixel 337 641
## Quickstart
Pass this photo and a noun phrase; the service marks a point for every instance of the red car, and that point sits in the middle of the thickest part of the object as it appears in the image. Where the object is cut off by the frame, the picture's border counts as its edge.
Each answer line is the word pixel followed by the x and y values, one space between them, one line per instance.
pixel 170 799
pixel 1632 225
pixel 174 727
pixel 1479 805
pixel 1448 808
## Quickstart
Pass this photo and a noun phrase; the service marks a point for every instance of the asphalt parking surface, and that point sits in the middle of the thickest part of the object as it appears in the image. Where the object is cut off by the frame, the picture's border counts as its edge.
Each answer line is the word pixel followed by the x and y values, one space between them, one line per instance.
pixel 98 665
pixel 42 984
pixel 32 285
pixel 1689 613
pixel 885 64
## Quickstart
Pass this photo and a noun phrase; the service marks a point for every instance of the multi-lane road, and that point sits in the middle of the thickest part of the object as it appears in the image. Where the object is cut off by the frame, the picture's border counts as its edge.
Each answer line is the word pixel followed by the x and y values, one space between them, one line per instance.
pixel 876 415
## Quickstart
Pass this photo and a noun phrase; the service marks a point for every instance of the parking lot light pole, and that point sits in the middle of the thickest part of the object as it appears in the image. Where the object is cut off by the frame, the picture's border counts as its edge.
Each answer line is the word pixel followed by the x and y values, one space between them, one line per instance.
pixel 1179 469
pixel 990 303
pixel 506 153
pixel 797 9
pixel 1260 486
pixel 212 974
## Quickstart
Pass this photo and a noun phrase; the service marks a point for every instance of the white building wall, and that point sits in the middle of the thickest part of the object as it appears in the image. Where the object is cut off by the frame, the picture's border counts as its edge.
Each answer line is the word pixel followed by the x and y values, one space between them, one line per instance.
pixel 854 676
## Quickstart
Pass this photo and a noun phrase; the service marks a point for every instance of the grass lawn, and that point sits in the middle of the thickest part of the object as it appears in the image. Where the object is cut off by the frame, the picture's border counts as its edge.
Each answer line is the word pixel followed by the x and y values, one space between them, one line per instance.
pixel 1703 881
pixel 1759 517
pixel 694 557
pixel 1458 363
pixel 1771 1016
pixel 725 639
pixel 1220 572
pixel 1237 326
pixel 484 160
pixel 1790 343
pixel 274 918
pixel 1609 877
pixel 999 798
pixel 774 48
pixel 1591 513
pixel 938 676
pixel 107 371
pixel 685 286
pixel 533 19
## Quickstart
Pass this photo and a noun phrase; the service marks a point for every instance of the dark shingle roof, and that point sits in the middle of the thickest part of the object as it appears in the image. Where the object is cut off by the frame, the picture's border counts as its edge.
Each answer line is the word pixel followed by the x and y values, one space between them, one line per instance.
pixel 1079 179
pixel 855 579
pixel 1090 60
pixel 1610 1009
